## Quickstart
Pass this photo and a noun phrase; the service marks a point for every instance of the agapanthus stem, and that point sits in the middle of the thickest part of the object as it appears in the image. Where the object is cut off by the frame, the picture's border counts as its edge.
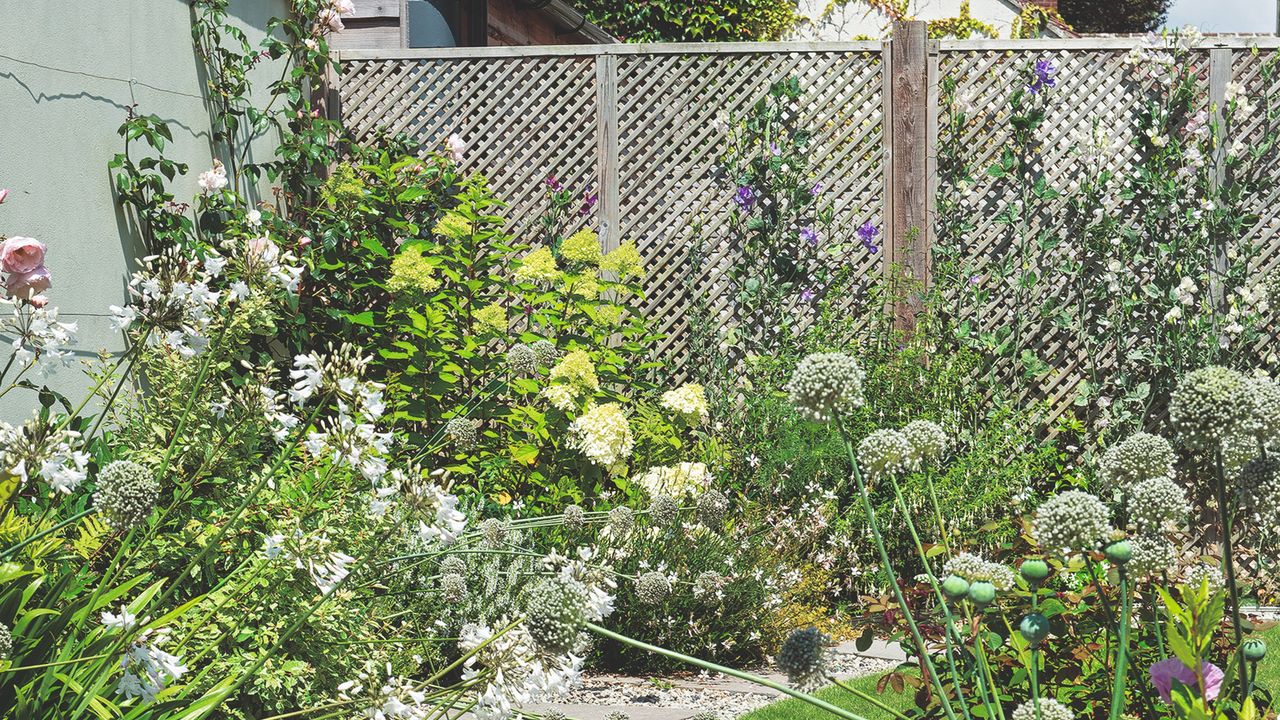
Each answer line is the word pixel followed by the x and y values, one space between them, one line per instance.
pixel 1229 567
pixel 1122 648
pixel 765 682
pixel 887 566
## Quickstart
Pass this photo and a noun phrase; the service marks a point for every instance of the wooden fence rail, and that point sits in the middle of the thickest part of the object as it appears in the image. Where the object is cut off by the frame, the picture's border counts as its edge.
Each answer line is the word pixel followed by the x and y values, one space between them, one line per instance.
pixel 642 125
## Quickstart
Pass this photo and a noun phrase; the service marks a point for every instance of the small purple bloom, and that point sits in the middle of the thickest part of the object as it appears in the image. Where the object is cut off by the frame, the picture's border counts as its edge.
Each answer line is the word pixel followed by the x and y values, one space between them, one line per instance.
pixel 1044 71
pixel 809 235
pixel 588 202
pixel 975 279
pixel 867 234
pixel 745 198
pixel 554 183
pixel 773 148
pixel 808 295
pixel 817 188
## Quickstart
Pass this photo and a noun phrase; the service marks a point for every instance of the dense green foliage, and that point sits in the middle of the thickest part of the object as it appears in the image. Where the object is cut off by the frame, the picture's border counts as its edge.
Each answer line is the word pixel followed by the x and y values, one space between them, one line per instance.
pixel 677 21
pixel 1114 16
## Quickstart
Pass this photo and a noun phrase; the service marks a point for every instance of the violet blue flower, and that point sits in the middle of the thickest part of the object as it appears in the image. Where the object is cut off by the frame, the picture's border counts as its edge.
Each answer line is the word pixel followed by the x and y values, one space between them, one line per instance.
pixel 589 200
pixel 867 234
pixel 809 235
pixel 808 294
pixel 1044 71
pixel 554 183
pixel 817 188
pixel 773 147
pixel 745 198
pixel 1165 672
pixel 975 279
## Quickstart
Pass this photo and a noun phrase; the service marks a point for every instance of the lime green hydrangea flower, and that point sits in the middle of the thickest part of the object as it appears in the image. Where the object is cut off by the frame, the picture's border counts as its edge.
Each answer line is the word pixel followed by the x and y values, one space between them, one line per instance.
pixel 608 314
pixel 624 262
pixel 603 435
pixel 412 273
pixel 582 247
pixel 343 186
pixel 583 285
pixel 538 266
pixel 453 226
pixel 689 401
pixel 577 370
pixel 492 317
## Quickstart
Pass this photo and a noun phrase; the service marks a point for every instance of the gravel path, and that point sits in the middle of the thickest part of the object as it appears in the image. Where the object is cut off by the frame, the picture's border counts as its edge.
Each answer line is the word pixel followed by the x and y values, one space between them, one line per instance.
pixel 680 697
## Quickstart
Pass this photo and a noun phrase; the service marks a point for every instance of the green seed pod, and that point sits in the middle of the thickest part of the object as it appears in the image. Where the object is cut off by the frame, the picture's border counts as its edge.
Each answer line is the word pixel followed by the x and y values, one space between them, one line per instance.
pixel 1254 649
pixel 1119 552
pixel 1034 571
pixel 955 587
pixel 1035 628
pixel 982 593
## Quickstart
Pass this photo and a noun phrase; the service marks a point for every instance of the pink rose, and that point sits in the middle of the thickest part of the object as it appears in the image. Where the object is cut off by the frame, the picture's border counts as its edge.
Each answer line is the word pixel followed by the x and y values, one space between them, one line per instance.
pixel 1165 672
pixel 26 284
pixel 455 146
pixel 21 254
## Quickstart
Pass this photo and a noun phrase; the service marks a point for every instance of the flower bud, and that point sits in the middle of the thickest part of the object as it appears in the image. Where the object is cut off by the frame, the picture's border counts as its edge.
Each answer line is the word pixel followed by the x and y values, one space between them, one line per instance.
pixel 982 593
pixel 1254 649
pixel 1034 571
pixel 1035 628
pixel 955 587
pixel 1119 552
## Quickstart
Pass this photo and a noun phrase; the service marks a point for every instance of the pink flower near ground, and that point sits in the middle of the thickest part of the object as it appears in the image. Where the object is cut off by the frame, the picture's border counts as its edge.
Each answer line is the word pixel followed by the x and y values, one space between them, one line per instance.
pixel 21 254
pixel 29 283
pixel 4 193
pixel 1165 672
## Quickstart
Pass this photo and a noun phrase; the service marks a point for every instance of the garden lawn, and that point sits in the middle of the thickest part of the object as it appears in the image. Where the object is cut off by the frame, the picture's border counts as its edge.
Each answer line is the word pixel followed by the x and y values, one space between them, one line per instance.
pixel 796 710
pixel 1269 668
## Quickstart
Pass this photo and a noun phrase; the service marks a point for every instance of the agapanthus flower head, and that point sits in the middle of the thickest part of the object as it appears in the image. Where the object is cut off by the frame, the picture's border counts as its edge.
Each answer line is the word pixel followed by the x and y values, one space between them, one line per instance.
pixel 825 386
pixel 1165 672
pixel 1048 709
pixel 1208 405
pixel 1139 457
pixel 40 448
pixel 575 518
pixel 713 506
pixel 1071 522
pixel 664 510
pixel 1155 502
pixel 522 360
pixel 1153 555
pixel 653 588
pixel 928 440
pixel 689 401
pixel 803 658
pixel 976 569
pixel 622 520
pixel 603 435
pixel 461 431
pixel 884 452
pixel 545 351
pixel 127 492
pixel 555 612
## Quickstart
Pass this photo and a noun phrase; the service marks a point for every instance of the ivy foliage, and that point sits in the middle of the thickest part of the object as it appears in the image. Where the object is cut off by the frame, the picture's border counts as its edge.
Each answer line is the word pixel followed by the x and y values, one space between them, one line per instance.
pixel 680 21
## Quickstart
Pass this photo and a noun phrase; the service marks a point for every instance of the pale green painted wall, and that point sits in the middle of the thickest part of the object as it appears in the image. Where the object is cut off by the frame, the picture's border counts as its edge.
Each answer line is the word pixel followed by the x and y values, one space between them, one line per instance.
pixel 58 131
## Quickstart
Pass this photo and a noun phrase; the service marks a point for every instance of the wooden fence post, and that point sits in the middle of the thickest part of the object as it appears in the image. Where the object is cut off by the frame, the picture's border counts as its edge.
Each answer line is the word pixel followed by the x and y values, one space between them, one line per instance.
pixel 909 232
pixel 607 150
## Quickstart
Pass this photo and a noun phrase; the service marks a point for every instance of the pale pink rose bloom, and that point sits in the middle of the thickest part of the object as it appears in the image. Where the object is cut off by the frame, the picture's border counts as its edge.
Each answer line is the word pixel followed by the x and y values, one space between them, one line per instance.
pixel 21 254
pixel 29 283
pixel 344 7
pixel 455 147
pixel 4 193
pixel 214 179
pixel 330 17
pixel 1165 672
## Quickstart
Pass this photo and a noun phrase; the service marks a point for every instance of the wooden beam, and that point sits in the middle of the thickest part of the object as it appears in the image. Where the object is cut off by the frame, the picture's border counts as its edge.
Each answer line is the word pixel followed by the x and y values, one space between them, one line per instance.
pixel 607 147
pixel 909 230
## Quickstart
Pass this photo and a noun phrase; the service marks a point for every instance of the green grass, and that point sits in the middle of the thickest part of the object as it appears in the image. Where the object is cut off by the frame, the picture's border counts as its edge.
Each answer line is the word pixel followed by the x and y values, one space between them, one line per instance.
pixel 1268 677
pixel 796 710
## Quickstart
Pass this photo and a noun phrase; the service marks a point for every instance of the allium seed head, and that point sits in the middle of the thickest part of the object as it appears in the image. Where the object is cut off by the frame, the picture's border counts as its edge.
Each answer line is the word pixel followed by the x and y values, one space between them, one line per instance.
pixel 1153 555
pixel 928 440
pixel 1049 710
pixel 1155 502
pixel 1264 420
pixel 664 510
pixel 453 565
pixel 884 452
pixel 126 494
pixel 652 588
pixel 545 352
pixel 1139 457
pixel 556 612
pixel 575 518
pixel 6 642
pixel 622 520
pixel 522 360
pixel 826 385
pixel 495 533
pixel 1208 405
pixel 462 431
pixel 803 658
pixel 713 506
pixel 453 588
pixel 1071 522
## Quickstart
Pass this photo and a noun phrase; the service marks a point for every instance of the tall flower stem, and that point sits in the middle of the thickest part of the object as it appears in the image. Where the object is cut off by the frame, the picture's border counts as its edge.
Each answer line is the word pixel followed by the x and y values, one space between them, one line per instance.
pixel 1229 567
pixel 765 682
pixel 1122 648
pixel 887 566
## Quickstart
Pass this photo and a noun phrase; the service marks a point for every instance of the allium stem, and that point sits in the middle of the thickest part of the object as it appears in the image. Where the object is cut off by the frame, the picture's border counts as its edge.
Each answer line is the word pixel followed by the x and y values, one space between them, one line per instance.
pixel 1122 648
pixel 1229 567
pixel 887 566
pixel 765 682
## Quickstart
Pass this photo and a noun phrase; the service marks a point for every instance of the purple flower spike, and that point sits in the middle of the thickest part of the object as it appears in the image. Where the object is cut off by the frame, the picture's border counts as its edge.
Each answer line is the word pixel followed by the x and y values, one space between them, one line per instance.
pixel 745 198
pixel 809 235
pixel 867 234
pixel 1045 72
